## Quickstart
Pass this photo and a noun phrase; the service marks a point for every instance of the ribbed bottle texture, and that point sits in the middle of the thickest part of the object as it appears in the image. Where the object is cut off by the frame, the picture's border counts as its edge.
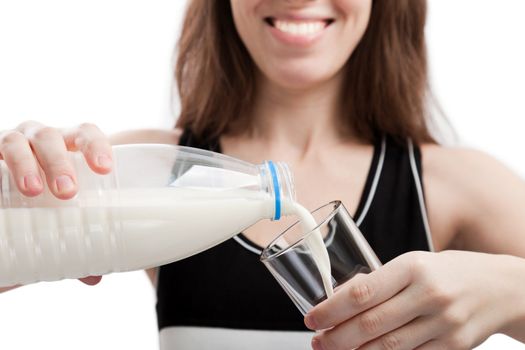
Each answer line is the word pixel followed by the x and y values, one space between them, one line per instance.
pixel 44 238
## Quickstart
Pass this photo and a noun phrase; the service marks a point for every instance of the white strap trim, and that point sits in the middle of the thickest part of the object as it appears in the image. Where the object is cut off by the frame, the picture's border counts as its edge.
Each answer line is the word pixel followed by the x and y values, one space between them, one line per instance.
pixel 247 246
pixel 419 189
pixel 375 182
pixel 331 235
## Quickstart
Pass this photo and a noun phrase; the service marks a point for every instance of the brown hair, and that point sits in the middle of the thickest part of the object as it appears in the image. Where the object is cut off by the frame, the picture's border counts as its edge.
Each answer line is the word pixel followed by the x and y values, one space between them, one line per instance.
pixel 386 87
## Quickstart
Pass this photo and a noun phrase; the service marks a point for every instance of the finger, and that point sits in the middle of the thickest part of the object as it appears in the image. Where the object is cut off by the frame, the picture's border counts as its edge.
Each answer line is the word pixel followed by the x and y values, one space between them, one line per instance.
pixel 434 344
pixel 29 127
pixel 359 294
pixel 418 332
pixel 88 139
pixel 378 321
pixel 19 158
pixel 91 280
pixel 51 153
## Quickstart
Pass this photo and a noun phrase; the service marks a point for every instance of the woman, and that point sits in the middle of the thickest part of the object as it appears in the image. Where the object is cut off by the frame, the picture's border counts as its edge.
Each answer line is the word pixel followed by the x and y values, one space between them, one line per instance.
pixel 338 90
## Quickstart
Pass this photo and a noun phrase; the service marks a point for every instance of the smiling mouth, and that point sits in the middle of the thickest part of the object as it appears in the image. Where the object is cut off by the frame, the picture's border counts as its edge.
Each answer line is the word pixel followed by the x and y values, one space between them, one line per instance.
pixel 299 27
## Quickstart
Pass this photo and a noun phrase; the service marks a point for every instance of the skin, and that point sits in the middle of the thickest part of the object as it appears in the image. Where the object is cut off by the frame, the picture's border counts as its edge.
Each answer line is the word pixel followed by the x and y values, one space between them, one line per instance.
pixel 452 299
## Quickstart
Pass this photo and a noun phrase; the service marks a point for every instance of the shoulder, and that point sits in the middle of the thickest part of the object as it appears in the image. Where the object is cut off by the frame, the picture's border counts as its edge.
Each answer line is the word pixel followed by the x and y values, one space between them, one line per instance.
pixel 468 170
pixel 168 136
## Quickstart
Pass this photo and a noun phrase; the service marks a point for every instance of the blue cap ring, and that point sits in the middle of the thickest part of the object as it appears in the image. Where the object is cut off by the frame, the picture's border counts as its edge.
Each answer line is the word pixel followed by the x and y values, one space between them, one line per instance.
pixel 276 190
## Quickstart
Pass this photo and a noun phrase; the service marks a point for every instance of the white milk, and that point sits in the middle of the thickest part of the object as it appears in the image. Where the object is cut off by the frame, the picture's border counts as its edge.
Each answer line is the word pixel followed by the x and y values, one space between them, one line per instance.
pixel 148 228
pixel 317 246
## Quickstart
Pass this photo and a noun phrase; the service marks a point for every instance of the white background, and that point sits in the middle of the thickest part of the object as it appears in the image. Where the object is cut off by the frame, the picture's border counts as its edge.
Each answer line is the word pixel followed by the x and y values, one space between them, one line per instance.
pixel 63 62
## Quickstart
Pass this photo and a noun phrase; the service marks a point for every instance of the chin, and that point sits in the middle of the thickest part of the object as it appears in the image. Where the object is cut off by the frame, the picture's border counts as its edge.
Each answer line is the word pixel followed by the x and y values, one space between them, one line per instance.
pixel 301 78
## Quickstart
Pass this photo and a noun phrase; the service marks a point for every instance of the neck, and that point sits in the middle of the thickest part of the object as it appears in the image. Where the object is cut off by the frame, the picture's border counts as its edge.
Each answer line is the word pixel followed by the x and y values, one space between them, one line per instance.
pixel 299 118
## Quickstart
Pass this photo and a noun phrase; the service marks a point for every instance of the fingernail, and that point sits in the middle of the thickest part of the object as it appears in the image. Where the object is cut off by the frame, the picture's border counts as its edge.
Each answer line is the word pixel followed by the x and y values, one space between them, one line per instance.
pixel 310 322
pixel 64 184
pixel 32 182
pixel 316 344
pixel 104 161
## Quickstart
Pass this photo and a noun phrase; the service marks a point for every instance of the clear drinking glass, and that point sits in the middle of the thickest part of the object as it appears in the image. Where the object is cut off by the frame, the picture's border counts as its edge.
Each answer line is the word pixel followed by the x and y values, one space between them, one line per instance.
pixel 289 256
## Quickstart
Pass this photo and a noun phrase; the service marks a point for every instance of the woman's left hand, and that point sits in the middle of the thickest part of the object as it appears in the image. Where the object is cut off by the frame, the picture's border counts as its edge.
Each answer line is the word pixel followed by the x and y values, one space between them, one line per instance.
pixel 448 300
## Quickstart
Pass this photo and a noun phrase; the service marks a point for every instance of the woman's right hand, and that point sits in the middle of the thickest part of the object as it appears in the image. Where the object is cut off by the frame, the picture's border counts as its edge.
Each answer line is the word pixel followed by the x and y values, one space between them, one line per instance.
pixel 32 150
pixel 32 146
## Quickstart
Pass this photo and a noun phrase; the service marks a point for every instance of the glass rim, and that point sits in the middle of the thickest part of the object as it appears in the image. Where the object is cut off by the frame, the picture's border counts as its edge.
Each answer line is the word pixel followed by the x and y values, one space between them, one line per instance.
pixel 337 206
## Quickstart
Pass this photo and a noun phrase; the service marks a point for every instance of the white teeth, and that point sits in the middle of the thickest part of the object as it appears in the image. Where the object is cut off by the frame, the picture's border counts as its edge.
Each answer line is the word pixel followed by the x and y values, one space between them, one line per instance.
pixel 299 28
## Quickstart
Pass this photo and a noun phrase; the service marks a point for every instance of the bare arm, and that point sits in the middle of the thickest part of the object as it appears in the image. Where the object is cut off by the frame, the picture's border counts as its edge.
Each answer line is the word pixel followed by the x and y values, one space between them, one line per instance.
pixel 496 224
pixel 474 201
pixel 5 289
pixel 146 136
pixel 484 202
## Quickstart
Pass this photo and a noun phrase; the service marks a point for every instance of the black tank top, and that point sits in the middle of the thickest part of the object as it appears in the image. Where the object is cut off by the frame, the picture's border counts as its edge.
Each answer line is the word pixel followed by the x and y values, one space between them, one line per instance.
pixel 227 286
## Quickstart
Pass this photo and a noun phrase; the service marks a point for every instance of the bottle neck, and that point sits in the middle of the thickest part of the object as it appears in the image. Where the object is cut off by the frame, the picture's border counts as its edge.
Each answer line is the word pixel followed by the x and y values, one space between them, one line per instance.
pixel 277 181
